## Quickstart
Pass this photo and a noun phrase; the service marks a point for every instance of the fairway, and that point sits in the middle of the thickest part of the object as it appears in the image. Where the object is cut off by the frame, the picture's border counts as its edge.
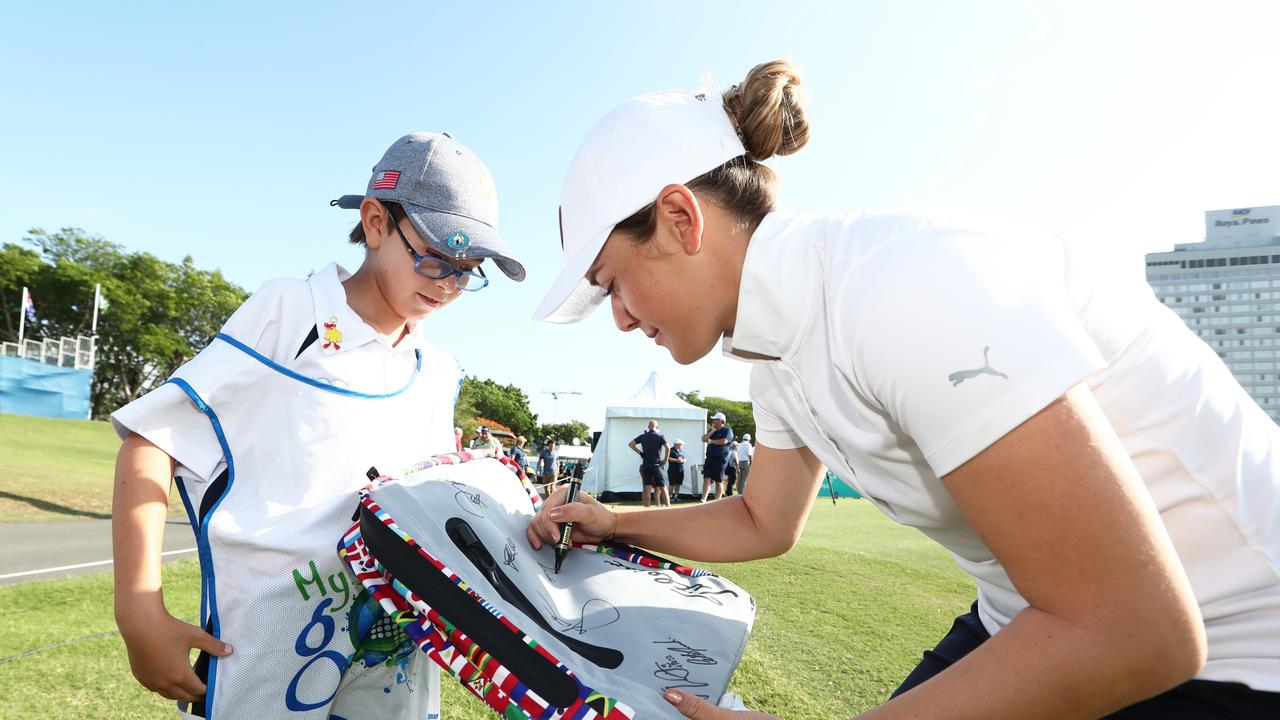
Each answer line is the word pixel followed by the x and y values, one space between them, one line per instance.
pixel 842 618
pixel 57 469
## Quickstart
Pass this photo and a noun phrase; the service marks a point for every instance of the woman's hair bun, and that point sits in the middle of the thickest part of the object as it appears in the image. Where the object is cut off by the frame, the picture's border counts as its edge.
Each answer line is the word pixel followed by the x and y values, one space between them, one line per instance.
pixel 768 110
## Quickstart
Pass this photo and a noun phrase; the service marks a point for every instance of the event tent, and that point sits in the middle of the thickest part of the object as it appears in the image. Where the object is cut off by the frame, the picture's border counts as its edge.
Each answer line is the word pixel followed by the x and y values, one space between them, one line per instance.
pixel 842 488
pixel 615 468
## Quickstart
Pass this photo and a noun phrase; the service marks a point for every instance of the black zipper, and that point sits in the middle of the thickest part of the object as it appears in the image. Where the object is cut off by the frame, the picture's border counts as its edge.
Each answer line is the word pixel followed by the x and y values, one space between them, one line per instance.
pixel 539 674
pixel 467 541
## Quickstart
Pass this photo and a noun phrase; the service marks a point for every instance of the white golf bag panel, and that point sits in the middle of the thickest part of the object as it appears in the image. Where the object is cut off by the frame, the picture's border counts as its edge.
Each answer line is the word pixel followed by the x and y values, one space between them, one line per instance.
pixel 444 550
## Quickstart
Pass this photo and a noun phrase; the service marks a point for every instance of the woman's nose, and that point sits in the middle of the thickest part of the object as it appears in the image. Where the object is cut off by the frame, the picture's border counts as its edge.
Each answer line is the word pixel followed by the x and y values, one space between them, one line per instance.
pixel 622 318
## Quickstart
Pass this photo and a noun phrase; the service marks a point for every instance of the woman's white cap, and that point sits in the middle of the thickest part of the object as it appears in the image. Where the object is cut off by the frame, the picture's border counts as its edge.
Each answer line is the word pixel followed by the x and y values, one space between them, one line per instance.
pixel 640 147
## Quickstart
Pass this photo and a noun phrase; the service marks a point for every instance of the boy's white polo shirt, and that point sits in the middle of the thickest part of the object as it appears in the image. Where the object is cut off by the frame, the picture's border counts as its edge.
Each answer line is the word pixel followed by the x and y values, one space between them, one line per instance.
pixel 275 321
pixel 897 346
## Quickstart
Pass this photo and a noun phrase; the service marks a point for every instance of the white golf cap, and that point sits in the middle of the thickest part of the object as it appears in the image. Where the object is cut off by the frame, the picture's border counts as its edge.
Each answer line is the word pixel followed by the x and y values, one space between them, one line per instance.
pixel 746 436
pixel 719 416
pixel 640 147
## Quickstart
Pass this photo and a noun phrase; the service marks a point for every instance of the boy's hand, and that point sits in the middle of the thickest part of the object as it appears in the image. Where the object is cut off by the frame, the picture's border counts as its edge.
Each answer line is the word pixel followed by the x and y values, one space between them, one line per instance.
pixel 159 652
pixel 592 522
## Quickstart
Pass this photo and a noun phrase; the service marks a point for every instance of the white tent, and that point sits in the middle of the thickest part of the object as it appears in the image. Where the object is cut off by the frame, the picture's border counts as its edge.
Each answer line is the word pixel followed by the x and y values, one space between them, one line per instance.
pixel 615 467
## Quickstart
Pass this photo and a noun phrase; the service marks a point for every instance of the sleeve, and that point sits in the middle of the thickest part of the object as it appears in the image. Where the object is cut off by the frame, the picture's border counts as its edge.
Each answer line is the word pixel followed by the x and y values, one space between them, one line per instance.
pixel 168 418
pixel 962 336
pixel 771 430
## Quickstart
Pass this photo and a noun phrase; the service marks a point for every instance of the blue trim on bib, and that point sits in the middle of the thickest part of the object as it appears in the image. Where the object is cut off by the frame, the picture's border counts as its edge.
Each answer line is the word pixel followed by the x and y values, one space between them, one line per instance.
pixel 312 381
pixel 202 540
pixel 195 528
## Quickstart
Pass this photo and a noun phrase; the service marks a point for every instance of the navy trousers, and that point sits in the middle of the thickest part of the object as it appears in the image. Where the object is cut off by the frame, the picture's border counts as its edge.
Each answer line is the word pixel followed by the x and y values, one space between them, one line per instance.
pixel 1192 700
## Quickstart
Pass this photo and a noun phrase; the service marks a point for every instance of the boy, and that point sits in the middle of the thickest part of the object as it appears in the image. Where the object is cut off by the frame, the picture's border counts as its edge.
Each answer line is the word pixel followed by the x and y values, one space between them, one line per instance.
pixel 269 432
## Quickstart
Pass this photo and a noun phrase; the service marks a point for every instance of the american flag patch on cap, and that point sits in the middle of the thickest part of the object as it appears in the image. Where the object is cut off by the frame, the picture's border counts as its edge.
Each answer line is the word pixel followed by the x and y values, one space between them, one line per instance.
pixel 386 180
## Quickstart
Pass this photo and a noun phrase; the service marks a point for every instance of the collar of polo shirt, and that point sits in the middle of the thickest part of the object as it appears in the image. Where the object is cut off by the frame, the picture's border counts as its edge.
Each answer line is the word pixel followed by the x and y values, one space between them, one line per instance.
pixel 331 308
pixel 780 281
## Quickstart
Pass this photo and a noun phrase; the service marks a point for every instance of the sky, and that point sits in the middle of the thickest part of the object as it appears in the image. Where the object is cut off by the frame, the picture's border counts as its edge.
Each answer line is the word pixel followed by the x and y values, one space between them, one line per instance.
pixel 222 130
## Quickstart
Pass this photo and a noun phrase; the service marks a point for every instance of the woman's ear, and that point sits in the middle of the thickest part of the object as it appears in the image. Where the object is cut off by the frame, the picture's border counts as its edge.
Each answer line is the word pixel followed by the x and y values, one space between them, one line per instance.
pixel 374 217
pixel 679 218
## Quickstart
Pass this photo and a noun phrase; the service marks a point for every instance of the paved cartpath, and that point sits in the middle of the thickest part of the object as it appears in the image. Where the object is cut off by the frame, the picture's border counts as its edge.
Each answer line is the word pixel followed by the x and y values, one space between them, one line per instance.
pixel 65 543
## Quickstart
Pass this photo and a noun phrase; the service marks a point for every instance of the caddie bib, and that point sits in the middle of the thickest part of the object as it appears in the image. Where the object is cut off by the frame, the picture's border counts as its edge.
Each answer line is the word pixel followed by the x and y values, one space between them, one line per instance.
pixel 309 642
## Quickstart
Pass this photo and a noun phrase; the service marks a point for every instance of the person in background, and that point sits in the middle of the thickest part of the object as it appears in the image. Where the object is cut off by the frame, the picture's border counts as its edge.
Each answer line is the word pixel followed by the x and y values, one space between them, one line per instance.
pixel 1093 466
pixel 731 469
pixel 713 469
pixel 457 439
pixel 486 441
pixel 744 451
pixel 517 452
pixel 675 470
pixel 548 463
pixel 652 448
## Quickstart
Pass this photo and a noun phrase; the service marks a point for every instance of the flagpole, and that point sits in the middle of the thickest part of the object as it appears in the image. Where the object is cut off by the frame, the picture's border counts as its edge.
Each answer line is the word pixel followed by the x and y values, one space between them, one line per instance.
pixel 97 296
pixel 22 319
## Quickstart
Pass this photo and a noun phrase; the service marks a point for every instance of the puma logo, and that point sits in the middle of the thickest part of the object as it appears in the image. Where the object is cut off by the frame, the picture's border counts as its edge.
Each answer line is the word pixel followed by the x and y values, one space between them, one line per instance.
pixel 960 376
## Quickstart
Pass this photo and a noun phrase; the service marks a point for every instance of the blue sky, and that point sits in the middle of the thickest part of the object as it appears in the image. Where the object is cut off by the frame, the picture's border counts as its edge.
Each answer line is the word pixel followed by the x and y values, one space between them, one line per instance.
pixel 222 130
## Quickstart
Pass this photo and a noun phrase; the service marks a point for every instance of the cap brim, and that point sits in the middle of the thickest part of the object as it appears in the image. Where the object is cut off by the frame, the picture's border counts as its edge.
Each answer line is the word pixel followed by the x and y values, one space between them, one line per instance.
pixel 571 297
pixel 436 227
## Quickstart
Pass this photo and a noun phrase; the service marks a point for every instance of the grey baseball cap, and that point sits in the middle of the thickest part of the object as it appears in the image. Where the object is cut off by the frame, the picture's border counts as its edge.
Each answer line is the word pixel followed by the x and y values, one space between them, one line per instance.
pixel 448 194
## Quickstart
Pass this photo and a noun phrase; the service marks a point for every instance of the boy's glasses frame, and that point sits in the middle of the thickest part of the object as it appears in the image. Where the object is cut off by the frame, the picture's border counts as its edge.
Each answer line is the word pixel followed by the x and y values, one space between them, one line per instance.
pixel 435 268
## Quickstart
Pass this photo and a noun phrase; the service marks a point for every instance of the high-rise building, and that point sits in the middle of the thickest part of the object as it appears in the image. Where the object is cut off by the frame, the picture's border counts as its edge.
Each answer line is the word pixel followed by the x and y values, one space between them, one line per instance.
pixel 1227 290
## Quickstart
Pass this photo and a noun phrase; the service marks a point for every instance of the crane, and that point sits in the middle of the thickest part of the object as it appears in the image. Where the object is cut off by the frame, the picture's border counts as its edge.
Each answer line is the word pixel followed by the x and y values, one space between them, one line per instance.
pixel 555 401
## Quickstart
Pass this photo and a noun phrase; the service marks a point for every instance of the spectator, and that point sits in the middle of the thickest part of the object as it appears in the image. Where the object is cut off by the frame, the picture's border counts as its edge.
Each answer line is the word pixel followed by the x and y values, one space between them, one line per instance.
pixel 457 439
pixel 547 462
pixel 731 469
pixel 652 448
pixel 745 453
pixel 675 470
pixel 717 440
pixel 486 441
pixel 517 452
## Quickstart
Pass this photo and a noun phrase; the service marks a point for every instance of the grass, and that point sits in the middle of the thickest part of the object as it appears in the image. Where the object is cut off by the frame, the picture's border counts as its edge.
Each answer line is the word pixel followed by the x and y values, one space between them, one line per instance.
pixel 842 618
pixel 57 469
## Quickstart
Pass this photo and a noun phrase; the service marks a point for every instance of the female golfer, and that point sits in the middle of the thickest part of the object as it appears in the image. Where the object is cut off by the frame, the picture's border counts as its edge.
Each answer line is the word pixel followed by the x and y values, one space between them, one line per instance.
pixel 1091 464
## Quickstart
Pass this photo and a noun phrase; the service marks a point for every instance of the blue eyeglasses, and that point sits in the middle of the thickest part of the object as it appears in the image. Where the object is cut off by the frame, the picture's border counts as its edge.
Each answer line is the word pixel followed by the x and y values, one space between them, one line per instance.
pixel 434 268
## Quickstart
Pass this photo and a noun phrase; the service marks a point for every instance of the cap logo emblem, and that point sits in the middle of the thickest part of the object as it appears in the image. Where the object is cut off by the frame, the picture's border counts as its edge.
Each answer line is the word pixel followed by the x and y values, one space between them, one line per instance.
pixel 386 180
pixel 458 243
pixel 486 184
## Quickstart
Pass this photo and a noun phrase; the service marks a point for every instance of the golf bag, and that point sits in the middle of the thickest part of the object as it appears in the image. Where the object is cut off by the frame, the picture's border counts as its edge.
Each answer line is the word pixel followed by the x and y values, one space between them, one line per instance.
pixel 443 550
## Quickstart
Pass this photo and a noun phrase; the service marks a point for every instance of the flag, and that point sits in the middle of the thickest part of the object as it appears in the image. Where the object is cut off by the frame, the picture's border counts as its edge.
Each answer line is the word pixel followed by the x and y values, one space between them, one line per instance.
pixel 28 305
pixel 386 180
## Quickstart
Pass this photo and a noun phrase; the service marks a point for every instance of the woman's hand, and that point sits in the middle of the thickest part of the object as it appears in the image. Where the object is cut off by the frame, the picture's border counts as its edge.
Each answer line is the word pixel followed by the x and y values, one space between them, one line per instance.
pixel 592 522
pixel 692 706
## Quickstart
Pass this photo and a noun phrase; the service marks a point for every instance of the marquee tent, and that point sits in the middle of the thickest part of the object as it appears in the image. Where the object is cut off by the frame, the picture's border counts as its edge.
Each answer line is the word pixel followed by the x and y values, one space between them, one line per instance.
pixel 615 468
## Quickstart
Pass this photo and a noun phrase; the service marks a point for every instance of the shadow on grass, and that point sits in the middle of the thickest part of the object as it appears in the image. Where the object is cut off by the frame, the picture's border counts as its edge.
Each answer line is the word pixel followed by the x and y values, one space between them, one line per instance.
pixel 47 506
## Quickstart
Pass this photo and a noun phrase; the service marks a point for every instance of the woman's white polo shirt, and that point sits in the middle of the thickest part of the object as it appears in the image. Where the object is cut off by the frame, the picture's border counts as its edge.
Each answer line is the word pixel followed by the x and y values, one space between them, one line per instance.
pixel 897 346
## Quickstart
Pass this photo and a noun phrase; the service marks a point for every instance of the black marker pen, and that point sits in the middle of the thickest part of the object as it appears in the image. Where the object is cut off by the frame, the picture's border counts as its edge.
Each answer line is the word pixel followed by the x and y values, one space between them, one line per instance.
pixel 566 529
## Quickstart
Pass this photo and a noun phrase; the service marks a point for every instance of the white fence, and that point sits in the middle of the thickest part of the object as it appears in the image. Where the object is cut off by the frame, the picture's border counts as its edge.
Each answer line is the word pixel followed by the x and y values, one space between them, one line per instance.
pixel 77 352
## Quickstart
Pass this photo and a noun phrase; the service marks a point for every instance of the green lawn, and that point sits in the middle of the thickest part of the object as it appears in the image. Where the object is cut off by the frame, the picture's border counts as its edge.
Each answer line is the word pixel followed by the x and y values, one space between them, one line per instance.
pixel 57 469
pixel 842 618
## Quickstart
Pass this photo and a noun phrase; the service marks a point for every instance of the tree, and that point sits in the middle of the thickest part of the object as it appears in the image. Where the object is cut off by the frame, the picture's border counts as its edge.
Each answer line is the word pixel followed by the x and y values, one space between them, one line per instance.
pixel 160 314
pixel 506 404
pixel 565 432
pixel 738 413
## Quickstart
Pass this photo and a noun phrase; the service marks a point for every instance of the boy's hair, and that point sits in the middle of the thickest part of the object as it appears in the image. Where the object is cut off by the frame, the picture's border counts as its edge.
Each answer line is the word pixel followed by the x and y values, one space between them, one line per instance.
pixel 394 212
